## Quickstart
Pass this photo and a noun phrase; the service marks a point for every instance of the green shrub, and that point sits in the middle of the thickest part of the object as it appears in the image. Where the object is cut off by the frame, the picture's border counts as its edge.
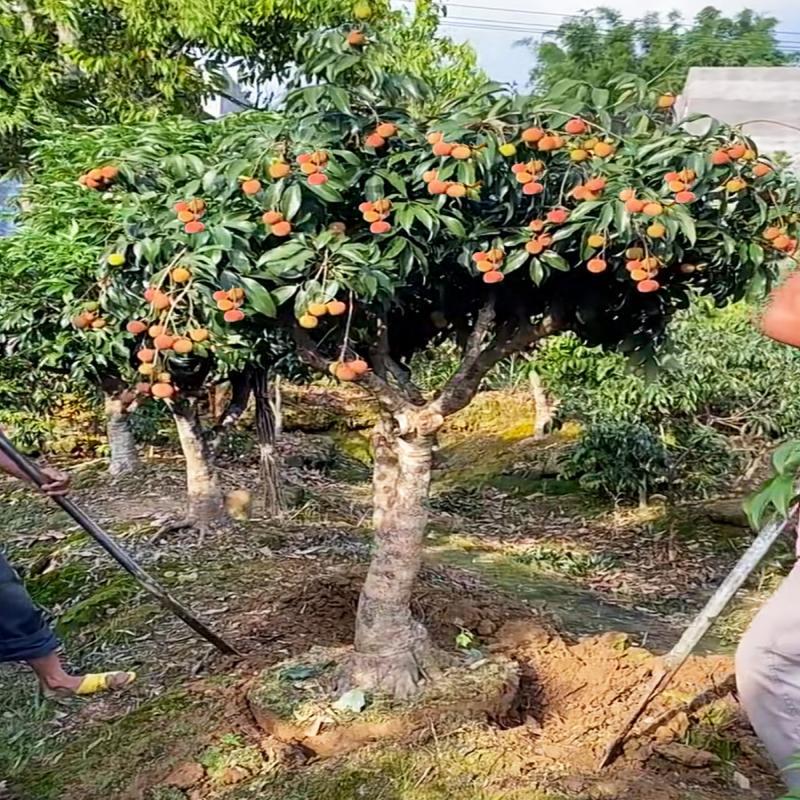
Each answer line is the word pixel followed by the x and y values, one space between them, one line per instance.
pixel 680 429
pixel 620 459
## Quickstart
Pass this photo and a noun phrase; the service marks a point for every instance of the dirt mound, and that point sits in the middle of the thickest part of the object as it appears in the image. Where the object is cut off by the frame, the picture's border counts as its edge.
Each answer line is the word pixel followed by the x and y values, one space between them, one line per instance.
pixel 294 702
pixel 321 610
pixel 576 697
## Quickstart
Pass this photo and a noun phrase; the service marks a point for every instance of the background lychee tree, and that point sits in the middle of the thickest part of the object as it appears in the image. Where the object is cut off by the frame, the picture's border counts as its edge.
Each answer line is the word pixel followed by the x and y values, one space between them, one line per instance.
pixel 375 231
pixel 52 317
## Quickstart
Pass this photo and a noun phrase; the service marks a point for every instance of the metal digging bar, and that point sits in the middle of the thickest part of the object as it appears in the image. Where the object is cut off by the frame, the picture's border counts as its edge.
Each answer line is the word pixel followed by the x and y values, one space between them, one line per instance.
pixel 120 555
pixel 676 657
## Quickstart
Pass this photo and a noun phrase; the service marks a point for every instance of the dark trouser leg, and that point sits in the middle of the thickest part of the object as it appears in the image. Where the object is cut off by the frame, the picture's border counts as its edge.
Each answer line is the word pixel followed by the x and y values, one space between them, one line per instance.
pixel 24 635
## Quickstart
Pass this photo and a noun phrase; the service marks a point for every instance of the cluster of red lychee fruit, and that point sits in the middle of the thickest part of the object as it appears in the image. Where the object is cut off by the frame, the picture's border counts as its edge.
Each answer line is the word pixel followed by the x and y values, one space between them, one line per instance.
pixel 313 165
pixel 377 212
pixel 380 135
pixel 278 226
pixel 189 213
pixel 230 302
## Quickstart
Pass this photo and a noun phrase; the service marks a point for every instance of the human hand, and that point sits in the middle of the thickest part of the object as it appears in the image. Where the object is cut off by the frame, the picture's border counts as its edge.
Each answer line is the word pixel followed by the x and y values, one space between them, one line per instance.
pixel 56 482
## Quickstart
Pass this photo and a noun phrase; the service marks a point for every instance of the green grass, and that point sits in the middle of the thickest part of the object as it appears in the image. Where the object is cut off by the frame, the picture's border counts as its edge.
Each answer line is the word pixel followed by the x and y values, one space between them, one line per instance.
pixel 562 561
pixel 102 761
pixel 463 767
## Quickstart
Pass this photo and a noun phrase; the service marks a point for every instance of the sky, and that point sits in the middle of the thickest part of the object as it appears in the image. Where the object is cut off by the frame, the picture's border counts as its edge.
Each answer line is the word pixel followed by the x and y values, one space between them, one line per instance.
pixel 494 26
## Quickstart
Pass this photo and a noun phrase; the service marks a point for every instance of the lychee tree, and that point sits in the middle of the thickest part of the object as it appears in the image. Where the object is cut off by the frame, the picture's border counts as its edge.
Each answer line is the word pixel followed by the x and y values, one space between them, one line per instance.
pixel 50 312
pixel 370 231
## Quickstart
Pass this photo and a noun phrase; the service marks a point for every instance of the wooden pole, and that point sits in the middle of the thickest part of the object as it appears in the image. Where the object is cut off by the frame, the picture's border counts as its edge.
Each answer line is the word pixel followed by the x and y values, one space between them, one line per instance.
pixel 120 555
pixel 701 624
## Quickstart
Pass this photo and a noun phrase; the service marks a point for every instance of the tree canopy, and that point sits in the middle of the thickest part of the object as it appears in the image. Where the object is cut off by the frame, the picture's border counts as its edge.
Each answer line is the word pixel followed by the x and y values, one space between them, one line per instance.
pixel 600 45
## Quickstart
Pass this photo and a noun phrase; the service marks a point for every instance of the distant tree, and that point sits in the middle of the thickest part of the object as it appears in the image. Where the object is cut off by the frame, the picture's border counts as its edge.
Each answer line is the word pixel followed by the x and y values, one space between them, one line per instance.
pixel 600 45
pixel 109 61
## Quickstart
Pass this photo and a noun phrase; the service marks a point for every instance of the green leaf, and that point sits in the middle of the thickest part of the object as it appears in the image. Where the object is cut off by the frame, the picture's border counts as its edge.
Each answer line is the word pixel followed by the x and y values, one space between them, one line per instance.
pixel 755 506
pixel 373 188
pixel 395 248
pixel 282 252
pixel 562 87
pixel 291 201
pixel 222 237
pixel 394 179
pixel 554 260
pixel 606 216
pixel 339 99
pixel 195 163
pixel 327 193
pixel 209 179
pixel 782 493
pixel 686 224
pixel 537 271
pixel 424 217
pixel 454 226
pixel 515 261
pixel 600 98
pixel 622 220
pixel 665 155
pixel 258 297
pixel 756 254
pixel 283 293
pixel 585 209
pixel 787 457
pixel 466 172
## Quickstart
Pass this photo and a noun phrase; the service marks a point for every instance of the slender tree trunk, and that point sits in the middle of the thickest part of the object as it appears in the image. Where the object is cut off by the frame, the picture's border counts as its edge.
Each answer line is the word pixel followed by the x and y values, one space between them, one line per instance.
pixel 268 456
pixel 543 408
pixel 391 648
pixel 206 503
pixel 124 457
pixel 277 406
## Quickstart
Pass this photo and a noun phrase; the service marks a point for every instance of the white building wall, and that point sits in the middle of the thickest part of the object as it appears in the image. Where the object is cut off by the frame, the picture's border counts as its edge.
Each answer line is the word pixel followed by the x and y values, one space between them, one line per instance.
pixel 765 101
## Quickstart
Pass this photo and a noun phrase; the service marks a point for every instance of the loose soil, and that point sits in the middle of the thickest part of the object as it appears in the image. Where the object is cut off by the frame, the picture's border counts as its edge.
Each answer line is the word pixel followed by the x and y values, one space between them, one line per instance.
pixel 278 589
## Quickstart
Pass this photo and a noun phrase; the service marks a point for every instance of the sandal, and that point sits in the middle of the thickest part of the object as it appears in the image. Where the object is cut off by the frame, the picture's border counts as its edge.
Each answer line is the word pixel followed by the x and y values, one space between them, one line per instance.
pixel 96 682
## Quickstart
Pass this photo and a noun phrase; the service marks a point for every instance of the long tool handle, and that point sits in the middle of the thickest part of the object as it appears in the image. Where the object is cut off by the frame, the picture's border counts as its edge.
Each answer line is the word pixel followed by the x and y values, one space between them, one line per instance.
pixel 120 555
pixel 701 624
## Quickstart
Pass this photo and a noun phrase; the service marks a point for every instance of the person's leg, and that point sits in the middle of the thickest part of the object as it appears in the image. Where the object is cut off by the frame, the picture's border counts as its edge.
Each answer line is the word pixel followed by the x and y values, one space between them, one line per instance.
pixel 51 674
pixel 24 636
pixel 768 675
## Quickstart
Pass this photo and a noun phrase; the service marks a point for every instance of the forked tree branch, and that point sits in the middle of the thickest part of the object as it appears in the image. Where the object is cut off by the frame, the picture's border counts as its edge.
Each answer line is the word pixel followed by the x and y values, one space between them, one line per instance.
pixel 389 397
pixel 462 387
pixel 386 366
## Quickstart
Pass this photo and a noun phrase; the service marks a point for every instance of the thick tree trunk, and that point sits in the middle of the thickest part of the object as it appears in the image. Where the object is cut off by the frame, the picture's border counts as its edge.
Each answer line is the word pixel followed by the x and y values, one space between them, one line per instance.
pixel 384 471
pixel 268 456
pixel 206 503
pixel 391 647
pixel 124 457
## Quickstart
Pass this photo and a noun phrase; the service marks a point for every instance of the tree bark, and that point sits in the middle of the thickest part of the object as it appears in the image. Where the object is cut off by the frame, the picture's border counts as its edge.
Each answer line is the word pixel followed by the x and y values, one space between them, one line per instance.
pixel 385 469
pixel 392 650
pixel 206 503
pixel 268 456
pixel 123 456
pixel 543 408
